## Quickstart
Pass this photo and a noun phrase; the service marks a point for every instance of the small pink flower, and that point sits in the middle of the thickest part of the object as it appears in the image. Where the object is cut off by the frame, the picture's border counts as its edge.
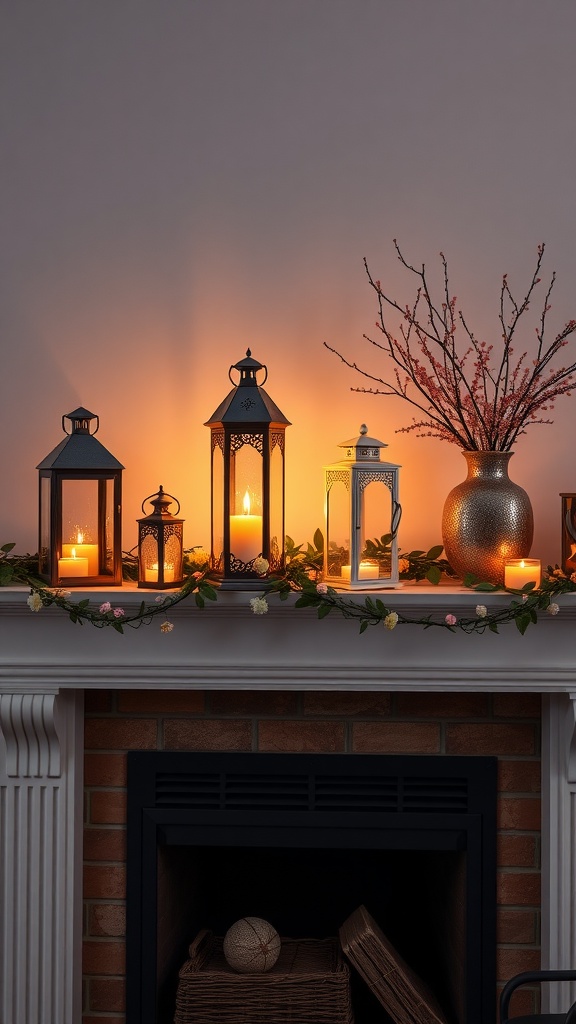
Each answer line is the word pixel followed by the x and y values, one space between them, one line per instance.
pixel 321 588
pixel 106 607
pixel 118 613
pixel 196 575
pixel 450 620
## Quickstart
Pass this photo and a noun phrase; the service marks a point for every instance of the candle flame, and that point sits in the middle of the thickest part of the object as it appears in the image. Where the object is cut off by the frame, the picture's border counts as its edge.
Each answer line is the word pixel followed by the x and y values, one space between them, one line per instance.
pixel 80 538
pixel 73 552
pixel 522 565
pixel 246 504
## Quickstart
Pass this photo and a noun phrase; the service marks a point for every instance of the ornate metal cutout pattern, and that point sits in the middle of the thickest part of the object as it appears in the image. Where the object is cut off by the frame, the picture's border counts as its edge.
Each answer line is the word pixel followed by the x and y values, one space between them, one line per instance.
pixel 367 478
pixel 277 438
pixel 334 476
pixel 248 403
pixel 218 440
pixel 147 530
pixel 238 441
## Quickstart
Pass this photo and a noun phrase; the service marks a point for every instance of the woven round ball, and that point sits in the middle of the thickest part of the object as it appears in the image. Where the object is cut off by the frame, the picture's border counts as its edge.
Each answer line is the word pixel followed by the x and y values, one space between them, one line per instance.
pixel 251 946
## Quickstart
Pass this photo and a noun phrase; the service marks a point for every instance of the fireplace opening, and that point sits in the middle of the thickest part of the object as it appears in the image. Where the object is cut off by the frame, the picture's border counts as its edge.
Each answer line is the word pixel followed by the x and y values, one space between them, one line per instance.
pixel 302 841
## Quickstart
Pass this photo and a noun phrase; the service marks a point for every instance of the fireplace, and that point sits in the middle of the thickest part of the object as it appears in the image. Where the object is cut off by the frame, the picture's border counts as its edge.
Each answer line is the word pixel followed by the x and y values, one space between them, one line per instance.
pixel 303 840
pixel 225 682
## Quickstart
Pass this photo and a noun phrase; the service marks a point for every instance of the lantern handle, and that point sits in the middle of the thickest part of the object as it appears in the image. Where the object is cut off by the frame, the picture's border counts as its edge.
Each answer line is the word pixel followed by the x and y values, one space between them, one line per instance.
pixel 161 493
pixel 248 368
pixel 396 517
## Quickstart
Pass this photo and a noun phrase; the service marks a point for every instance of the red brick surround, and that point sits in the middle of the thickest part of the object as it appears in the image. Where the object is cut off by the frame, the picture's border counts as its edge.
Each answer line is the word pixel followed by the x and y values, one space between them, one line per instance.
pixel 506 725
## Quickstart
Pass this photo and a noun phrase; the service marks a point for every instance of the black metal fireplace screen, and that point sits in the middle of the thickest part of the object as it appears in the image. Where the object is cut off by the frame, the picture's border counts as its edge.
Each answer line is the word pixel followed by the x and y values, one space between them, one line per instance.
pixel 302 840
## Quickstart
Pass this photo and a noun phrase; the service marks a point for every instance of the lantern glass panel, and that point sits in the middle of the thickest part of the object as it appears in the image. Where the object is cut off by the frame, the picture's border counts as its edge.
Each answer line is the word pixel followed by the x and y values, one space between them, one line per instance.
pixel 338 527
pixel 149 556
pixel 569 533
pixel 276 504
pixel 172 554
pixel 80 524
pixel 375 522
pixel 217 500
pixel 246 488
pixel 109 527
pixel 45 527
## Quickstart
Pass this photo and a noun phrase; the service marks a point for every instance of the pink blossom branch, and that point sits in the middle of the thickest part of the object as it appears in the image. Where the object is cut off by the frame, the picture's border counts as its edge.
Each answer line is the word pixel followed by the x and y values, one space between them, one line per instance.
pixel 462 397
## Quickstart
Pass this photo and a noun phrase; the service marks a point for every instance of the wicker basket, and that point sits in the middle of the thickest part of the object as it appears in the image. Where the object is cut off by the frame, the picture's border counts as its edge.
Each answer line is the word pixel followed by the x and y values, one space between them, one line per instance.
pixel 309 984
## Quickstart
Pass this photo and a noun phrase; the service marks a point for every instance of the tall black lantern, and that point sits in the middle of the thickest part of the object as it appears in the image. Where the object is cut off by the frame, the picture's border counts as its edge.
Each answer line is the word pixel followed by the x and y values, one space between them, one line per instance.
pixel 247 440
pixel 80 540
pixel 160 544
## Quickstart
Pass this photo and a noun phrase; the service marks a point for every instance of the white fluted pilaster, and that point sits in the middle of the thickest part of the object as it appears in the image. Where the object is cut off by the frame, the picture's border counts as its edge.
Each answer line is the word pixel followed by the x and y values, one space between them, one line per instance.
pixel 40 857
pixel 559 845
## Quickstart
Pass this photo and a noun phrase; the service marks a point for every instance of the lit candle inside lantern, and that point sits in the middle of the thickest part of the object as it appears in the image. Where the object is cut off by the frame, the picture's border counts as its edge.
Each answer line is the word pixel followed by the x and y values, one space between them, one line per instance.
pixel 89 551
pixel 73 566
pixel 246 534
pixel 366 571
pixel 151 573
pixel 520 571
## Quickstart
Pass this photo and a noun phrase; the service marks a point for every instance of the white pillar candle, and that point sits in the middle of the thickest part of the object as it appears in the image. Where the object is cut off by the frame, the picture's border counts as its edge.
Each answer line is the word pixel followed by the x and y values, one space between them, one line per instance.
pixel 366 571
pixel 73 566
pixel 246 534
pixel 520 571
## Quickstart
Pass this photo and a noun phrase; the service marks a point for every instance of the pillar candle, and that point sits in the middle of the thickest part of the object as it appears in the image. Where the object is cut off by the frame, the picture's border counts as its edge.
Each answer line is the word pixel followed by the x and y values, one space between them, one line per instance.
pixel 520 571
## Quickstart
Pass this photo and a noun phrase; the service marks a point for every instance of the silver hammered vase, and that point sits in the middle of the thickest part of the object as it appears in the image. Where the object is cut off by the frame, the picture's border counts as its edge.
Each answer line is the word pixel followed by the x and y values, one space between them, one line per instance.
pixel 486 519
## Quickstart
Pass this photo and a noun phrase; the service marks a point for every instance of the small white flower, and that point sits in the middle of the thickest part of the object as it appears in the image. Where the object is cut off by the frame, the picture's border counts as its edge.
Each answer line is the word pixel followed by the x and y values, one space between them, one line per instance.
pixel 321 588
pixel 261 565
pixel 259 605
pixel 553 608
pixel 481 611
pixel 166 627
pixel 391 620
pixel 35 602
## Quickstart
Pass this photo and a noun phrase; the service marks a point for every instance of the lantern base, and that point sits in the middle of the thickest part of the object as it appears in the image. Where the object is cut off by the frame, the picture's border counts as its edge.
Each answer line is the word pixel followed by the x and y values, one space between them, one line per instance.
pixel 339 584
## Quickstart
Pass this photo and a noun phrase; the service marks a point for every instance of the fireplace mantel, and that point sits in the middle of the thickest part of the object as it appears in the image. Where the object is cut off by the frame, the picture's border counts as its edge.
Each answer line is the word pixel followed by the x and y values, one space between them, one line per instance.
pixel 226 646
pixel 46 662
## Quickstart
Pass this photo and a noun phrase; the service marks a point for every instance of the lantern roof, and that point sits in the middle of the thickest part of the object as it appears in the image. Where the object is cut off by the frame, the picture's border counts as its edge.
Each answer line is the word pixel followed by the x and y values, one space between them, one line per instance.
pixel 363 448
pixel 80 449
pixel 247 402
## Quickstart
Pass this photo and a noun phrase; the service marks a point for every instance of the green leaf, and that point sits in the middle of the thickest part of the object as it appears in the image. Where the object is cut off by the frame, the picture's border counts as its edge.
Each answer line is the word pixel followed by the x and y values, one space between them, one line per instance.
pixel 208 591
pixel 492 627
pixel 6 574
pixel 199 600
pixel 487 588
pixel 434 575
pixel 522 622
pixel 363 626
pixel 435 552
pixel 84 603
pixel 7 547
pixel 381 606
pixel 318 539
pixel 470 580
pixel 324 610
pixel 118 627
pixel 307 601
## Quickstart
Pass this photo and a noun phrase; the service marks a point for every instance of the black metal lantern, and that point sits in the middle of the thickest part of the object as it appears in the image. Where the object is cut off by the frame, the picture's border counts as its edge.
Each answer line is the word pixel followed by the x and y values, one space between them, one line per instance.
pixel 160 544
pixel 80 540
pixel 568 533
pixel 247 480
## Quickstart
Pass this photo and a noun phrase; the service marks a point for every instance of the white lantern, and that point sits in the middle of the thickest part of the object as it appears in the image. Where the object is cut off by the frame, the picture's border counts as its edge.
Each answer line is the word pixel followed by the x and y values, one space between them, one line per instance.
pixel 362 517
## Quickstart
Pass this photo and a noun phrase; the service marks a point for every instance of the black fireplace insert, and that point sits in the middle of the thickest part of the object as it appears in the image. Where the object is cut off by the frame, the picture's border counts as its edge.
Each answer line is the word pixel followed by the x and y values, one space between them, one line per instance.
pixel 302 840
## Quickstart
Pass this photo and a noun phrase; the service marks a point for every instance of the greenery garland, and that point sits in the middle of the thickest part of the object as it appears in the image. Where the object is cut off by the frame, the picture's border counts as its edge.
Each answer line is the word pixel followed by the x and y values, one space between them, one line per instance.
pixel 302 575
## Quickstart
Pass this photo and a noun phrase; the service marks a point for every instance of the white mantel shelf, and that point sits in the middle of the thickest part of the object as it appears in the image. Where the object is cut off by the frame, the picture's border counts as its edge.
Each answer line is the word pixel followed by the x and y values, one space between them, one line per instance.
pixel 226 646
